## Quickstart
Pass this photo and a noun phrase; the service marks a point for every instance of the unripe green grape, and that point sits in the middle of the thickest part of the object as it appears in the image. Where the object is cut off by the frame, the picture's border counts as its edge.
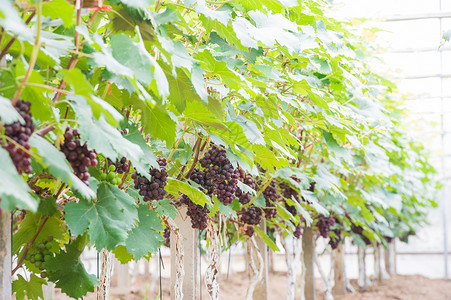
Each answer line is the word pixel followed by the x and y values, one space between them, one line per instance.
pixel 103 176
pixel 32 259
pixel 38 263
pixel 44 274
pixel 48 245
pixel 38 257
pixel 47 258
pixel 111 177
pixel 41 246
pixel 112 168
pixel 46 252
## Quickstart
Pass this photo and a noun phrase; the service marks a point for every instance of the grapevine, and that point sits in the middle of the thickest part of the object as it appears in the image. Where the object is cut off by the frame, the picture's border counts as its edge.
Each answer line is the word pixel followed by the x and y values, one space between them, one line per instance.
pixel 152 189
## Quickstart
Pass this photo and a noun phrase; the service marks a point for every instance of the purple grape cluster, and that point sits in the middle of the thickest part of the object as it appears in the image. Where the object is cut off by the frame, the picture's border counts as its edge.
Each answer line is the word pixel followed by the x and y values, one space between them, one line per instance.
pixel 220 171
pixel 251 215
pixel 297 231
pixel 199 177
pixel 357 229
pixel 334 242
pixel 271 195
pixel 291 208
pixel 247 179
pixel 20 133
pixel 197 213
pixel 152 189
pixel 167 237
pixel 249 231
pixel 122 166
pixel 78 155
pixel 324 223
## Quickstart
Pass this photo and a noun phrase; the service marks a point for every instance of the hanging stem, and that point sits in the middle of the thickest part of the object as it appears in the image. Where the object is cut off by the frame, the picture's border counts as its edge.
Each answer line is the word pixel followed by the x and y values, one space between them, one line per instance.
pixel 34 55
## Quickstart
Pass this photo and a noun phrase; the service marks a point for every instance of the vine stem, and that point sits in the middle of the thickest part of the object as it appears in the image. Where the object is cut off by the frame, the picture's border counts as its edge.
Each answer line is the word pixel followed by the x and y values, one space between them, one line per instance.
pixel 34 54
pixel 269 179
pixel 20 263
pixel 178 142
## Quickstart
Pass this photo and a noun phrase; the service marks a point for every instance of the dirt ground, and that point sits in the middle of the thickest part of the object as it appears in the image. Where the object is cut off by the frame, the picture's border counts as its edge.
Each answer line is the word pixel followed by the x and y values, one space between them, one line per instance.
pixel 397 288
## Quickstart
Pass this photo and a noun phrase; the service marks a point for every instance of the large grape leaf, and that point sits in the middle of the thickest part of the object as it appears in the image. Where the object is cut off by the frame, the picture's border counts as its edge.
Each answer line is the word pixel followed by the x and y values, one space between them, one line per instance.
pixel 32 289
pixel 174 187
pixel 54 226
pixel 59 9
pixel 14 192
pixel 58 166
pixel 68 273
pixel 106 139
pixel 107 220
pixel 146 236
pixel 8 114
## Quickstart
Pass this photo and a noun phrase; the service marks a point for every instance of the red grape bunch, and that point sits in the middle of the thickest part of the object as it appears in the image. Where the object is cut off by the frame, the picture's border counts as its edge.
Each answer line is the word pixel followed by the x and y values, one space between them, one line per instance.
pixel 167 237
pixel 357 229
pixel 324 223
pixel 152 189
pixel 251 216
pixel 122 166
pixel 334 242
pixel 218 168
pixel 20 133
pixel 197 213
pixel 247 179
pixel 271 195
pixel 297 231
pixel 199 177
pixel 78 155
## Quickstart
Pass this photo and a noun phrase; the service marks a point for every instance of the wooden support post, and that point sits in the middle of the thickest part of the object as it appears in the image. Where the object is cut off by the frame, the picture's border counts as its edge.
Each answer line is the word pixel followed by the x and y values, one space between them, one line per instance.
pixel 188 235
pixel 261 290
pixel 390 258
pixel 5 255
pixel 339 272
pixel 362 280
pixel 308 246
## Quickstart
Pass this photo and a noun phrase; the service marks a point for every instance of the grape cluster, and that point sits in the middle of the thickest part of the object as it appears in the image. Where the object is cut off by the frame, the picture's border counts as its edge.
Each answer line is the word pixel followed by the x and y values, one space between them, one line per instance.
pixel 357 229
pixel 78 155
pixel 111 176
pixel 167 237
pixel 152 189
pixel 271 195
pixel 251 215
pixel 197 213
pixel 334 242
pixel 324 223
pixel 297 231
pixel 219 170
pixel 20 133
pixel 291 208
pixel 41 254
pixel 247 179
pixel 122 166
pixel 199 177
pixel 288 191
pixel 249 231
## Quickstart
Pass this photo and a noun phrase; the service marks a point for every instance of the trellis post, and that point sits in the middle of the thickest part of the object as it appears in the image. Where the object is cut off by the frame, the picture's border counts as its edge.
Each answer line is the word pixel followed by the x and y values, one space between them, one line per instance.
pixel 308 246
pixel 188 235
pixel 339 272
pixel 261 290
pixel 5 255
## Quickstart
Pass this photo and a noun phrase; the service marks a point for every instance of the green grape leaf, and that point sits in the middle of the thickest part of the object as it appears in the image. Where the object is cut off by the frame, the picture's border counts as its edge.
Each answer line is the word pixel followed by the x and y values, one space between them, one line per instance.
pixel 174 187
pixel 107 220
pixel 53 226
pixel 146 237
pixel 59 9
pixel 32 289
pixel 14 192
pixel 122 255
pixel 159 124
pixel 57 165
pixel 266 239
pixel 138 3
pixel 181 90
pixel 165 208
pixel 8 114
pixel 196 111
pixel 68 273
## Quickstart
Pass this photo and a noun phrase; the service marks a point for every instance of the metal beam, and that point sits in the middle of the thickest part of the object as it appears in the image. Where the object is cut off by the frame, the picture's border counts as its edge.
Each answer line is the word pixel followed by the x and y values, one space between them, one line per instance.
pixel 421 16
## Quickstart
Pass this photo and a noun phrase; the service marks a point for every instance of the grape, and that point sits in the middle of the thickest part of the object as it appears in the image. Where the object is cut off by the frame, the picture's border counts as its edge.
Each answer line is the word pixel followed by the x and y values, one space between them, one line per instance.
pixel 220 171
pixel 121 166
pixel 38 257
pixel 167 237
pixel 288 191
pixel 249 231
pixel 78 155
pixel 247 179
pixel 271 195
pixel 199 177
pixel 20 133
pixel 291 208
pixel 334 242
pixel 297 231
pixel 152 189
pixel 357 229
pixel 324 223
pixel 251 215
pixel 197 213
